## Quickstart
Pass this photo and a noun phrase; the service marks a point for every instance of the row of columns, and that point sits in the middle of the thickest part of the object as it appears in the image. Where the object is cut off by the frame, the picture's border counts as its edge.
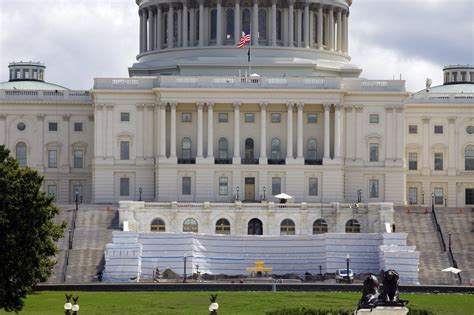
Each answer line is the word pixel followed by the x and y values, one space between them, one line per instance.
pixel 263 127
pixel 152 37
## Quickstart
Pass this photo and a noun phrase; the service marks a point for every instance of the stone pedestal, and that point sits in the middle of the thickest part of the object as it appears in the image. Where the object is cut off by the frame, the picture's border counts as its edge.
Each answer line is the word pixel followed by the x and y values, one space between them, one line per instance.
pixel 384 310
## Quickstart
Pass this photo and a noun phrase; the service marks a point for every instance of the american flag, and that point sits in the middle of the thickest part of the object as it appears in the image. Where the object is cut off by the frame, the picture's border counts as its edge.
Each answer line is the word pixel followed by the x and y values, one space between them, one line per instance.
pixel 244 39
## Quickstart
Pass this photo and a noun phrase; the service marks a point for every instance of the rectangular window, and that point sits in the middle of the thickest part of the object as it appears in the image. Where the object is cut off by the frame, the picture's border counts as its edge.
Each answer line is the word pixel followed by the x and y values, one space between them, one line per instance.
pixel 52 158
pixel 124 150
pixel 438 196
pixel 412 161
pixel 186 117
pixel 469 196
pixel 53 126
pixel 373 188
pixel 438 161
pixel 223 186
pixel 249 117
pixel 413 195
pixel 412 129
pixel 276 185
pixel 374 118
pixel 124 116
pixel 124 186
pixel 78 126
pixel 52 191
pixel 186 186
pixel 78 159
pixel 223 117
pixel 312 118
pixel 276 117
pixel 374 152
pixel 438 129
pixel 313 186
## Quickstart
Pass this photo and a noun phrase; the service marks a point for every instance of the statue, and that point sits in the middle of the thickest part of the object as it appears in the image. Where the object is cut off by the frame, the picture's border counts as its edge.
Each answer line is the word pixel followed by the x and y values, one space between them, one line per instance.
pixel 390 286
pixel 389 295
pixel 370 292
pixel 428 84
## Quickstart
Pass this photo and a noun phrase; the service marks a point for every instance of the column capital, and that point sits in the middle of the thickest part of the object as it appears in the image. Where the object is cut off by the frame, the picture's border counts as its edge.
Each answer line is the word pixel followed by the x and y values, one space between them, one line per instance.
pixel 263 105
pixel 162 105
pixel 389 107
pixel 99 106
pixel 452 119
pixel 290 106
pixel 109 106
pixel 200 105
pixel 338 106
pixel 150 106
pixel 327 106
pixel 210 105
pixel 40 117
pixel 173 105
pixel 91 117
pixel 66 117
pixel 359 107
pixel 426 119
pixel 236 105
pixel 400 108
pixel 300 105
pixel 140 107
pixel 348 108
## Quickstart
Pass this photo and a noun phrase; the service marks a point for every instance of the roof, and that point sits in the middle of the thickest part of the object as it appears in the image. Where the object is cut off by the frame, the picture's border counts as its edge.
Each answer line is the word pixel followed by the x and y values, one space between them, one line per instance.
pixel 30 85
pixel 447 89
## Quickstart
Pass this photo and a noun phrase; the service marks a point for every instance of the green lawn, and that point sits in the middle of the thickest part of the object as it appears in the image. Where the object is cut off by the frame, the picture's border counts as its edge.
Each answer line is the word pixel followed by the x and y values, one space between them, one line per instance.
pixel 248 303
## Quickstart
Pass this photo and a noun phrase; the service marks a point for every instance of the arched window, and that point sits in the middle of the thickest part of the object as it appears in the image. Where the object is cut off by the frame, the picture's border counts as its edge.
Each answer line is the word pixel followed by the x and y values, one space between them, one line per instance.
pixel 223 149
pixel 276 149
pixel 278 25
pixel 315 28
pixel 469 158
pixel 320 226
pixel 223 227
pixel 21 154
pixel 311 149
pixel 246 21
pixel 158 225
pixel 190 225
pixel 262 24
pixel 213 21
pixel 190 27
pixel 229 24
pixel 255 227
pixel 197 24
pixel 186 148
pixel 249 149
pixel 295 28
pixel 287 227
pixel 165 28
pixel 175 26
pixel 352 226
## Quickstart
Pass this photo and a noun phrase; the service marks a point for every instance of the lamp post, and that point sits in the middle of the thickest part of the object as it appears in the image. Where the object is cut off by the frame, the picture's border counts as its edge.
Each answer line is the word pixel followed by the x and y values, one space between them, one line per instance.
pixel 185 258
pixel 67 306
pixel 264 190
pixel 445 202
pixel 76 199
pixel 359 195
pixel 449 241
pixel 422 198
pixel 348 259
pixel 237 196
pixel 432 202
pixel 140 194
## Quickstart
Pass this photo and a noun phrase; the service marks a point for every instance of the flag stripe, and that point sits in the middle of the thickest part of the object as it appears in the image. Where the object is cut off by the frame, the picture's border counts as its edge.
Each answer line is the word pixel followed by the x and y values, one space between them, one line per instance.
pixel 244 39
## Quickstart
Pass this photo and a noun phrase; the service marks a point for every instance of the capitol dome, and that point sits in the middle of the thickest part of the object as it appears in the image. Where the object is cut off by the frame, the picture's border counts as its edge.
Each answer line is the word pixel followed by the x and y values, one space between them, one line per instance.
pixel 28 76
pixel 288 38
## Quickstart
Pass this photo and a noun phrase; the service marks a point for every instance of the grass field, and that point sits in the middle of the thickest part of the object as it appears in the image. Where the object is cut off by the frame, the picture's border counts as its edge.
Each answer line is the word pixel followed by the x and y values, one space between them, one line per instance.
pixel 238 303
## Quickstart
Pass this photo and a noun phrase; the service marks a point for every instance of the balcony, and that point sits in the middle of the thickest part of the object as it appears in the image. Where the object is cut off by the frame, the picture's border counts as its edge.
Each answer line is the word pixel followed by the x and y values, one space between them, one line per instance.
pixel 313 162
pixel 276 161
pixel 222 161
pixel 186 161
pixel 249 161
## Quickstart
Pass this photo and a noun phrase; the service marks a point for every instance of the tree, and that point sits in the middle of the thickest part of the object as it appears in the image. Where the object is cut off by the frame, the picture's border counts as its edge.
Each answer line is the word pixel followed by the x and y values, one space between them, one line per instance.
pixel 27 232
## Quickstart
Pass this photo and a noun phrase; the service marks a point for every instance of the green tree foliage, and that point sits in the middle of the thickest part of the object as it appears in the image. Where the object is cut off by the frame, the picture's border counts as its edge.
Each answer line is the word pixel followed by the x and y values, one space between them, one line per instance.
pixel 27 232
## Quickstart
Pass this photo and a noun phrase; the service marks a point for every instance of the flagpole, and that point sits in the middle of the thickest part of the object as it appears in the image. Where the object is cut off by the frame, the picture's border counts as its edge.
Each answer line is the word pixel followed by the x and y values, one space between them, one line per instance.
pixel 250 51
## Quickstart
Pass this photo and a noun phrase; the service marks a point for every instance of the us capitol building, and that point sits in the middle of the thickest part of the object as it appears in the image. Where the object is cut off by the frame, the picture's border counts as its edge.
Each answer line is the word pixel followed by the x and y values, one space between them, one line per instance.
pixel 194 127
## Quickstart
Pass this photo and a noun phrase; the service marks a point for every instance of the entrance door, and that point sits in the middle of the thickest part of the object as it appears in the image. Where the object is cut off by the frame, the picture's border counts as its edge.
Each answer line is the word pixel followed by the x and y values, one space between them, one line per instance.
pixel 249 188
pixel 255 227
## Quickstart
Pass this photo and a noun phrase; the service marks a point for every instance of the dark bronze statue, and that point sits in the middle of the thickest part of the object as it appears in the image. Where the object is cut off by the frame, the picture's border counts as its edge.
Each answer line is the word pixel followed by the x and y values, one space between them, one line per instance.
pixel 390 286
pixel 389 295
pixel 370 292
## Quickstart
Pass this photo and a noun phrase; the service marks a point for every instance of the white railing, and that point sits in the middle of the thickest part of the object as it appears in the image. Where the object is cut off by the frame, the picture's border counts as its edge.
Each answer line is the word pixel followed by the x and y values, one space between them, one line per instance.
pixel 443 98
pixel 81 96
pixel 142 83
pixel 374 85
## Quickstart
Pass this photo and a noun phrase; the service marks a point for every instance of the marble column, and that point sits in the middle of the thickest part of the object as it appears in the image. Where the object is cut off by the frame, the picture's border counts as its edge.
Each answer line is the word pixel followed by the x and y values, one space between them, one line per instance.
pixel 149 137
pixel 236 159
pixel 185 23
pixel 180 28
pixel 346 31
pixel 426 144
pixel 151 29
pixel 359 135
pixel 109 129
pixel 263 132
pixel 337 131
pixel 452 142
pixel 290 24
pixel 350 155
pixel 299 31
pixel 331 28
pixel 339 30
pixel 199 153
pixel 192 27
pixel 162 130
pixel 173 106
pixel 289 131
pixel 320 27
pixel 237 33
pixel 3 131
pixel 98 128
pixel 140 131
pixel 220 26
pixel 389 133
pixel 201 23
pixel 400 133
pixel 171 26
pixel 255 23
pixel 273 24
pixel 327 131
pixel 159 22
pixel 142 18
pixel 210 130
pixel 299 133
pixel 306 25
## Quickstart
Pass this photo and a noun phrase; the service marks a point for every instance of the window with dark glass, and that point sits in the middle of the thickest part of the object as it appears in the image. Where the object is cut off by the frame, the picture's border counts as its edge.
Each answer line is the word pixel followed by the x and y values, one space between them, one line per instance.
pixel 53 126
pixel 352 226
pixel 373 188
pixel 21 154
pixel 276 117
pixel 52 158
pixel 223 227
pixel 278 25
pixel 78 159
pixel 21 126
pixel 438 161
pixel 374 152
pixel 313 186
pixel 124 150
pixel 276 185
pixel 320 226
pixel 229 24
pixel 438 196
pixel 223 186
pixel 186 186
pixel 469 158
pixel 186 148
pixel 213 22
pixel 262 24
pixel 287 227
pixel 275 152
pixel 413 195
pixel 249 117
pixel 412 129
pixel 223 117
pixel 52 191
pixel 438 129
pixel 248 148
pixel 78 126
pixel 412 161
pixel 124 186
pixel 158 225
pixel 186 117
pixel 312 152
pixel 246 21
pixel 125 117
pixel 222 148
pixel 190 225
pixel 312 118
pixel 469 196
pixel 374 118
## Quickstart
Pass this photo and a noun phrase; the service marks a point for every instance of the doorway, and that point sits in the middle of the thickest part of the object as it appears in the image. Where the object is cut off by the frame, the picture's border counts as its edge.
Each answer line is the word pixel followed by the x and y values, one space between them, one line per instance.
pixel 249 188
pixel 255 227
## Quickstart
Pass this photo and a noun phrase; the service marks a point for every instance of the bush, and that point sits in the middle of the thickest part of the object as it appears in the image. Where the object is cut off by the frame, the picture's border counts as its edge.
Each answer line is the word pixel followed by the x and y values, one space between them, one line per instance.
pixel 304 311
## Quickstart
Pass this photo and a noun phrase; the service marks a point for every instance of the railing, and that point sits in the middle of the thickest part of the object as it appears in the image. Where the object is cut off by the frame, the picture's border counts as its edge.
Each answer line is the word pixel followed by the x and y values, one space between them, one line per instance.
pixel 249 161
pixel 313 162
pixel 276 161
pixel 442 98
pixel 222 161
pixel 70 243
pixel 58 95
pixel 438 229
pixel 186 161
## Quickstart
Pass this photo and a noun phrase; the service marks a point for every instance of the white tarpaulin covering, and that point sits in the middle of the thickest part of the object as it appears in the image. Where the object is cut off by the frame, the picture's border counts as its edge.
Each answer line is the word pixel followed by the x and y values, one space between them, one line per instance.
pixel 229 254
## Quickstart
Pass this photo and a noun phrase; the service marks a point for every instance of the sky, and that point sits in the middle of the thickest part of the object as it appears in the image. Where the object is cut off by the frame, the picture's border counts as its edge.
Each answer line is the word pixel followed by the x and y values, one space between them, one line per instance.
pixel 79 40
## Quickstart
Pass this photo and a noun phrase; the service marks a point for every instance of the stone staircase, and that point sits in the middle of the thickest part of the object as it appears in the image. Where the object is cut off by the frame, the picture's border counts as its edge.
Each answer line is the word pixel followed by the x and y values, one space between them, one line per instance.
pixel 94 226
pixel 422 234
pixel 459 225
